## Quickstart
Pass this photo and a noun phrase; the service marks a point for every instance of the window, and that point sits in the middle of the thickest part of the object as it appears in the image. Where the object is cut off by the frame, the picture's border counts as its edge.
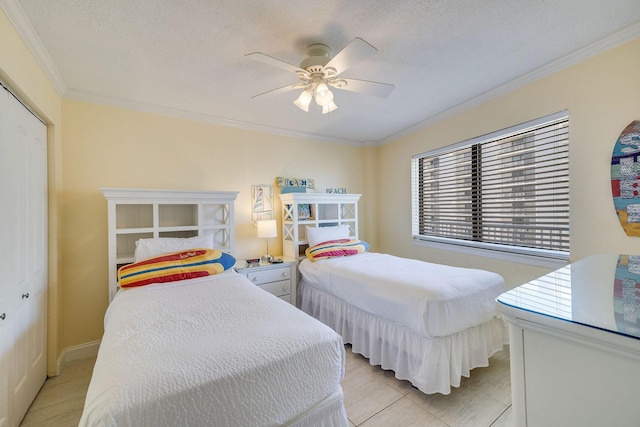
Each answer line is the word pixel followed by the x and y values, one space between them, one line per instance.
pixel 507 191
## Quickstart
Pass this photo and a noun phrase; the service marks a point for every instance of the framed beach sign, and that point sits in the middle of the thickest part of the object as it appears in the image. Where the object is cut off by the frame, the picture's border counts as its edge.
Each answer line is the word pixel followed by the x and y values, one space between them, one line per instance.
pixel 295 185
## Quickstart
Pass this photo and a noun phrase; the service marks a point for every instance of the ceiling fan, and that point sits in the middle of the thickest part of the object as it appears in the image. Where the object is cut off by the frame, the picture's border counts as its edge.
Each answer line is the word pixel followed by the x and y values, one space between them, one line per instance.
pixel 319 71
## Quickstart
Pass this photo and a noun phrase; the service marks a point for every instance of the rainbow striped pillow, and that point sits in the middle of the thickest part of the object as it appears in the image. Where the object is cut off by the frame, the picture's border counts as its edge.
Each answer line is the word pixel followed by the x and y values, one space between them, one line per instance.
pixel 336 248
pixel 175 266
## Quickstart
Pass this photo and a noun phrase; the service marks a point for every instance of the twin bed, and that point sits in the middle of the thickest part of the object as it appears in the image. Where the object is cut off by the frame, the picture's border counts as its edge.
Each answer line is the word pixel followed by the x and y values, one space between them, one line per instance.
pixel 188 341
pixel 429 323
pixel 214 349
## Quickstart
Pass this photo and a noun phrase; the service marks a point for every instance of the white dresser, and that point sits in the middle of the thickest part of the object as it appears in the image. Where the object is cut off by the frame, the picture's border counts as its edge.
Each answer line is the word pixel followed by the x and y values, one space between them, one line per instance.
pixel 575 345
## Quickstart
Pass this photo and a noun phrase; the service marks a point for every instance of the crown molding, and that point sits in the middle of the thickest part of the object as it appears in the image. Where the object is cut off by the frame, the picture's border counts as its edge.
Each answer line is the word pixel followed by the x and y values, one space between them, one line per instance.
pixel 23 26
pixel 199 117
pixel 614 40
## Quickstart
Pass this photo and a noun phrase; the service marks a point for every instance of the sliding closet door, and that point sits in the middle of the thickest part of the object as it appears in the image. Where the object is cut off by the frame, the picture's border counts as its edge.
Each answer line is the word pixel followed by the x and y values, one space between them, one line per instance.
pixel 6 352
pixel 6 313
pixel 24 250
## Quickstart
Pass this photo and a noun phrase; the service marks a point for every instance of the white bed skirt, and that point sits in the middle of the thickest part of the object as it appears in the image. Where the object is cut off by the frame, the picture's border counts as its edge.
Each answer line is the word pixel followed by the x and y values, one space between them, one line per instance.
pixel 328 413
pixel 431 364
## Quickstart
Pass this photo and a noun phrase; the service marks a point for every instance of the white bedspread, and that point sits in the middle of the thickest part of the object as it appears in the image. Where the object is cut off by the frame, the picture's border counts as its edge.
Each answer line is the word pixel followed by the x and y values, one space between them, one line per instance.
pixel 213 351
pixel 430 299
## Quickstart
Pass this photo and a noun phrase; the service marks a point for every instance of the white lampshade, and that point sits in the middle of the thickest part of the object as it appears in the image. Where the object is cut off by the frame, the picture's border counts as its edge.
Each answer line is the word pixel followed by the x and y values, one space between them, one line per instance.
pixel 267 229
pixel 324 96
pixel 304 100
pixel 329 108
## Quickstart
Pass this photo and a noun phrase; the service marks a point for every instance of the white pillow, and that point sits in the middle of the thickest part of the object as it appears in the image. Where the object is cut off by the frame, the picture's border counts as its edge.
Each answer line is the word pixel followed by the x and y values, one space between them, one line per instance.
pixel 317 235
pixel 149 248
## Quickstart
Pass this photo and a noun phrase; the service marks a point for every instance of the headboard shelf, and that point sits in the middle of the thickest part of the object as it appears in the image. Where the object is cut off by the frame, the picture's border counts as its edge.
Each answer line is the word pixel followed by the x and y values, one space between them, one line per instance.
pixel 301 210
pixel 135 213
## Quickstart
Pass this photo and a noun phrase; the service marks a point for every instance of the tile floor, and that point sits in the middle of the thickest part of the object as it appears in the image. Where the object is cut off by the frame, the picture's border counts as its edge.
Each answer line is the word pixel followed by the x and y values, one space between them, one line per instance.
pixel 373 397
pixel 61 399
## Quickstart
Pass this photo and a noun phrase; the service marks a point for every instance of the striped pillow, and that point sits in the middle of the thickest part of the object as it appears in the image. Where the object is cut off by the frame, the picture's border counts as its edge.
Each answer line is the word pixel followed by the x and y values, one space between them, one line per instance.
pixel 182 265
pixel 336 248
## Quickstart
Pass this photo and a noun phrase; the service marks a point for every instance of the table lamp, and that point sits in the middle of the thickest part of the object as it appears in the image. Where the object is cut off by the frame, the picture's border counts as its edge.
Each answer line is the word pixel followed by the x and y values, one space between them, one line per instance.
pixel 266 230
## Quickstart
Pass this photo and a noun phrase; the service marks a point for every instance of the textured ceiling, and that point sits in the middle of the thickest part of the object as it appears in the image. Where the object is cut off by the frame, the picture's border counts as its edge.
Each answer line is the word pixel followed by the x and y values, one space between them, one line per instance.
pixel 186 58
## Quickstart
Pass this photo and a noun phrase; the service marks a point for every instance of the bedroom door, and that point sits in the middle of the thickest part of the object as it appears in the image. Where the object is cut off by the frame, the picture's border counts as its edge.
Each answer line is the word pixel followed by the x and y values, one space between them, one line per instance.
pixel 23 257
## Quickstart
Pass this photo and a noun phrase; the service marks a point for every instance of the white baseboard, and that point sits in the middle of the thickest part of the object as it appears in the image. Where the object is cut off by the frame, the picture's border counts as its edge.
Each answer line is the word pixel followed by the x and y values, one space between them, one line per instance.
pixel 77 352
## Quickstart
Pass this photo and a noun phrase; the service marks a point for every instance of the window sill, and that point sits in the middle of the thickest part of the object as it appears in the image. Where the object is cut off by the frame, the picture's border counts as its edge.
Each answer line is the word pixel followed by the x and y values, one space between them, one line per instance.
pixel 538 258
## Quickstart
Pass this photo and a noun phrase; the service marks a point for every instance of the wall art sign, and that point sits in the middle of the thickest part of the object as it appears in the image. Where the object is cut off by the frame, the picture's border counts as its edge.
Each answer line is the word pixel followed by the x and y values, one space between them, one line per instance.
pixel 341 190
pixel 261 202
pixel 295 185
pixel 625 178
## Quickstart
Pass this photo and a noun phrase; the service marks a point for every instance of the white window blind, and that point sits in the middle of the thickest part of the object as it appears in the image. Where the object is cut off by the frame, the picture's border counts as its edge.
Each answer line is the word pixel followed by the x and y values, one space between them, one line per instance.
pixel 509 189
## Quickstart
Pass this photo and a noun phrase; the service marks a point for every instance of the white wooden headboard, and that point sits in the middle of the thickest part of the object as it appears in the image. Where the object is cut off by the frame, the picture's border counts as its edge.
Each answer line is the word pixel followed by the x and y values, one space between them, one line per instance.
pixel 139 213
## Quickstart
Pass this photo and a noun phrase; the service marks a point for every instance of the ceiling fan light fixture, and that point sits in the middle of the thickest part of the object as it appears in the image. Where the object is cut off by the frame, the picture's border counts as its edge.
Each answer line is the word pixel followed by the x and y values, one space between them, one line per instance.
pixel 304 100
pixel 329 108
pixel 319 71
pixel 324 96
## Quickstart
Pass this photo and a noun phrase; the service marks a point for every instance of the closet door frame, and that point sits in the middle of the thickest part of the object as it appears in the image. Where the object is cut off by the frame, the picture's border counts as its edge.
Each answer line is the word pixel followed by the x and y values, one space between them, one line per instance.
pixel 24 251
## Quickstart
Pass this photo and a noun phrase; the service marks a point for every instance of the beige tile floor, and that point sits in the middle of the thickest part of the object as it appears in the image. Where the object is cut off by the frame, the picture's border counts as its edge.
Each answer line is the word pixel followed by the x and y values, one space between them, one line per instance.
pixel 61 399
pixel 373 397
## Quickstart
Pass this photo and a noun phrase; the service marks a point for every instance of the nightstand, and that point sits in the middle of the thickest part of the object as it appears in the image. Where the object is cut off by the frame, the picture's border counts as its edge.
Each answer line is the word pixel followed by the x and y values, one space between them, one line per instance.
pixel 277 279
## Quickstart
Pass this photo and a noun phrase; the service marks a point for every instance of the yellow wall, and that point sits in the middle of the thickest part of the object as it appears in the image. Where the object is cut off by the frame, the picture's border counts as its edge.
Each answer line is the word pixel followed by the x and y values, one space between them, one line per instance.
pixel 115 147
pixel 20 71
pixel 602 95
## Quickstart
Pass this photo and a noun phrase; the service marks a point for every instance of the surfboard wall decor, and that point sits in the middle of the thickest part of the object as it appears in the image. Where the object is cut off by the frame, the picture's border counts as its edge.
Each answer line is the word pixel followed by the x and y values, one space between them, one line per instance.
pixel 625 178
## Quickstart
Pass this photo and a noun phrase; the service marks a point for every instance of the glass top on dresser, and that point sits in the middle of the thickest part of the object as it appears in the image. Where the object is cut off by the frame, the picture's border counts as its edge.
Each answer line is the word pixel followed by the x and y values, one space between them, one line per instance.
pixel 600 291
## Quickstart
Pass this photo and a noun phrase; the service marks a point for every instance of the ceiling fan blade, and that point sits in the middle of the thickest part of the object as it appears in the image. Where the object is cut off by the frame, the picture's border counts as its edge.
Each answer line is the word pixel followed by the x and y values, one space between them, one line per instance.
pixel 270 60
pixel 353 53
pixel 381 90
pixel 282 89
